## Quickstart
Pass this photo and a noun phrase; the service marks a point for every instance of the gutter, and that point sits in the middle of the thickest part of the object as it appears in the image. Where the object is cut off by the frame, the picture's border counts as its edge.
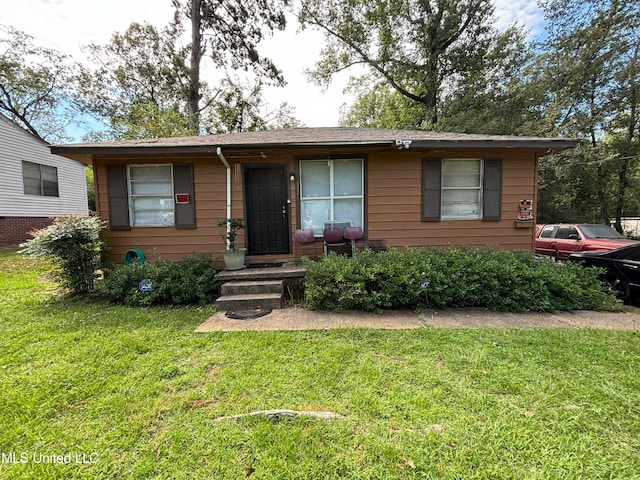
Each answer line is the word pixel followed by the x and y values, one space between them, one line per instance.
pixel 228 167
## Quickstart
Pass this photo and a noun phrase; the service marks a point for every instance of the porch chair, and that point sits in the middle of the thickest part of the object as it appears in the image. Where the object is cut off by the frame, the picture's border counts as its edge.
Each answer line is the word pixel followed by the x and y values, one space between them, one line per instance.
pixel 333 234
pixel 353 234
pixel 305 241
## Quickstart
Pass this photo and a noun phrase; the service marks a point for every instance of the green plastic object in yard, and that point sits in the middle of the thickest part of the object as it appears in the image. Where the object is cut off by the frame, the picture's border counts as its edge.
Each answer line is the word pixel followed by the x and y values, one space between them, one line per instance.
pixel 134 255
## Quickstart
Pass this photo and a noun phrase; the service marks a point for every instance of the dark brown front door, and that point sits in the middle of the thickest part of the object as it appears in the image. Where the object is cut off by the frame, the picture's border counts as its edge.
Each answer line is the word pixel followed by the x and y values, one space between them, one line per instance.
pixel 267 210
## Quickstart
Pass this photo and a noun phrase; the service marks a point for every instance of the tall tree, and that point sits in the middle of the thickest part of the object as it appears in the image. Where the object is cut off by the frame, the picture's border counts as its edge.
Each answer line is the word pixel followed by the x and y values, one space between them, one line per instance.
pixel 36 86
pixel 242 108
pixel 497 100
pixel 140 83
pixel 143 88
pixel 590 69
pixel 423 49
pixel 229 33
pixel 377 105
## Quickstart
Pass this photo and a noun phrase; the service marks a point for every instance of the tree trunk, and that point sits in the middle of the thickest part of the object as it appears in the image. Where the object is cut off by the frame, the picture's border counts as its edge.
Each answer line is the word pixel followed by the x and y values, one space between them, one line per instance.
pixel 623 172
pixel 430 96
pixel 602 197
pixel 431 109
pixel 623 183
pixel 194 71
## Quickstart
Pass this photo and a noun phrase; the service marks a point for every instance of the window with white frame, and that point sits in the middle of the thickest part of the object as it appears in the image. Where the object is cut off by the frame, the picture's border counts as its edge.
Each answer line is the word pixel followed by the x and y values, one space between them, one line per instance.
pixel 461 188
pixel 331 190
pixel 151 195
pixel 39 179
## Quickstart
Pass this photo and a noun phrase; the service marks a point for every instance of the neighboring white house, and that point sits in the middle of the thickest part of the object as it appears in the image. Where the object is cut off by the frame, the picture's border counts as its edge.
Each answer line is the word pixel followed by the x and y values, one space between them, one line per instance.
pixel 631 226
pixel 35 185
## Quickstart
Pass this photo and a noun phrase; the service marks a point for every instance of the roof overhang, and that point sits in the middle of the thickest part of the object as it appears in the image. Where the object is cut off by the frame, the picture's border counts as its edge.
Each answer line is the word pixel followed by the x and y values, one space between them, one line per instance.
pixel 84 153
pixel 311 139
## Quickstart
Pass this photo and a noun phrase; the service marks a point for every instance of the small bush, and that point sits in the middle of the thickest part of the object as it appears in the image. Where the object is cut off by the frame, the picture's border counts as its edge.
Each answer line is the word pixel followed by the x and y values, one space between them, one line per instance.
pixel 73 244
pixel 189 281
pixel 454 277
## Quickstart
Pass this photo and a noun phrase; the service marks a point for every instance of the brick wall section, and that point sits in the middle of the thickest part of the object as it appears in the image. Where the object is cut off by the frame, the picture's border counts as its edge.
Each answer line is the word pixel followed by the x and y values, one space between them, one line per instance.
pixel 15 230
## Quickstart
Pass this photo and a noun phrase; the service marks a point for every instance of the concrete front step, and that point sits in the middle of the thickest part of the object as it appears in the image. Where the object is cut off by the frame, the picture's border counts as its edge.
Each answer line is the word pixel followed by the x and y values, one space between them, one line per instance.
pixel 253 286
pixel 249 301
pixel 287 271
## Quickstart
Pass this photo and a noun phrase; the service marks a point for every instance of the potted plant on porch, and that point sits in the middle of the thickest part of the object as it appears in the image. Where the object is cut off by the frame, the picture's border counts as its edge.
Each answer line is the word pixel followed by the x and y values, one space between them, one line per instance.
pixel 233 257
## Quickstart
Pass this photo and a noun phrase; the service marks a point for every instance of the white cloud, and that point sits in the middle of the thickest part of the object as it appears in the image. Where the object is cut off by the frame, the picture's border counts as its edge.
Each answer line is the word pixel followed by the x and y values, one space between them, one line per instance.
pixel 66 25
pixel 522 12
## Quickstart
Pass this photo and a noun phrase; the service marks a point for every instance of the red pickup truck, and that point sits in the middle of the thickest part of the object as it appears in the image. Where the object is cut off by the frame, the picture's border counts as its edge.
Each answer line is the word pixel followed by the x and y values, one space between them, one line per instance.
pixel 561 240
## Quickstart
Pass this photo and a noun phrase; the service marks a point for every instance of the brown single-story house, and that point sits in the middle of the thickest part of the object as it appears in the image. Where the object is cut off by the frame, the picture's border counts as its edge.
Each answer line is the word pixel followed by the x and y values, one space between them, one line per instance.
pixel 403 188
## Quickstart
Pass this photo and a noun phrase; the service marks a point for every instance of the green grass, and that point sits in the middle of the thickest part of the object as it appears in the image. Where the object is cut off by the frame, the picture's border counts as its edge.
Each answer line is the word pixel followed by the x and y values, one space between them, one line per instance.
pixel 140 391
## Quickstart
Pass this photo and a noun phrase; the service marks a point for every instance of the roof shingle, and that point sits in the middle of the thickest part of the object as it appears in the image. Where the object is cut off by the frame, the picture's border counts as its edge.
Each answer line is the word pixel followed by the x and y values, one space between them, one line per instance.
pixel 324 136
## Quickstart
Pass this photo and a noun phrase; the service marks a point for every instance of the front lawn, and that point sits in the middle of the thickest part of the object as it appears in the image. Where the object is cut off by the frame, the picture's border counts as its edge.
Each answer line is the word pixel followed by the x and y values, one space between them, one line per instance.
pixel 90 390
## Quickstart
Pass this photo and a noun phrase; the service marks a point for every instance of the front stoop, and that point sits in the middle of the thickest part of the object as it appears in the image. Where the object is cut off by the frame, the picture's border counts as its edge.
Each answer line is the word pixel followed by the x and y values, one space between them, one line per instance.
pixel 250 295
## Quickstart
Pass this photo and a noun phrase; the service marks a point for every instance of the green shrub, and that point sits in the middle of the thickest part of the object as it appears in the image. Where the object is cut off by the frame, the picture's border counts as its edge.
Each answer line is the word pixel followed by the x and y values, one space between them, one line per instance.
pixel 189 281
pixel 453 277
pixel 73 244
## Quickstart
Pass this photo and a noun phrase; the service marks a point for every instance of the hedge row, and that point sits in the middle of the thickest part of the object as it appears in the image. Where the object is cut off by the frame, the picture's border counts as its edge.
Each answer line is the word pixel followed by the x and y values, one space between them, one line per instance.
pixel 449 278
pixel 188 281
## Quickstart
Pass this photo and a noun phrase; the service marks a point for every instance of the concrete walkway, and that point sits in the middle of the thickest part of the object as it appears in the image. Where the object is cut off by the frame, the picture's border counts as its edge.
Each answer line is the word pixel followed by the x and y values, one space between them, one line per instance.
pixel 302 319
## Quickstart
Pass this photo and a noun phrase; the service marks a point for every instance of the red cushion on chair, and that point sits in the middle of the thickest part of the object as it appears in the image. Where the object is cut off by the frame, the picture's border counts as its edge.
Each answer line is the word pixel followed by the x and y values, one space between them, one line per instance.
pixel 304 236
pixel 332 235
pixel 353 233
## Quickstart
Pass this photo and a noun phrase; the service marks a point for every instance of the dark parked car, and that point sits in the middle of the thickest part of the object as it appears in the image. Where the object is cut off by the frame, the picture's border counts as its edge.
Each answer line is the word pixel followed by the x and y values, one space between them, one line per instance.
pixel 622 265
pixel 563 239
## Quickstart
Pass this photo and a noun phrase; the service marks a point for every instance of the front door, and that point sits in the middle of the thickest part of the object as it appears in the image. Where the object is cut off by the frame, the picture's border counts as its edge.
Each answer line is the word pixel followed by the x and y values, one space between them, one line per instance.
pixel 267 208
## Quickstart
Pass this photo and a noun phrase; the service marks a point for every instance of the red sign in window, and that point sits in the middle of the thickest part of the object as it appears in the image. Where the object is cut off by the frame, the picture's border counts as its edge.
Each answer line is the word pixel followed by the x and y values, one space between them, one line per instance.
pixel 182 198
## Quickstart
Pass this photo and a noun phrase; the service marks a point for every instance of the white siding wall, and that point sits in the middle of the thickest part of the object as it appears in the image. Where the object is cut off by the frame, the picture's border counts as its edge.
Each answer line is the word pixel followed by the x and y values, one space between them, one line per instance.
pixel 17 145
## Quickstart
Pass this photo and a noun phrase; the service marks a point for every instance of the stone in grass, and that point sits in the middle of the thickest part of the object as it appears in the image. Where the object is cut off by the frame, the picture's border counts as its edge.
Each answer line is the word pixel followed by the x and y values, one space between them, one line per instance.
pixel 277 415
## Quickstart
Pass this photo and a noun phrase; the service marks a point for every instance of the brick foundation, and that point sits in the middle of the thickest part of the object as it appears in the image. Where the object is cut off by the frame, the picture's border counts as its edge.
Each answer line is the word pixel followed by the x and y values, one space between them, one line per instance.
pixel 15 230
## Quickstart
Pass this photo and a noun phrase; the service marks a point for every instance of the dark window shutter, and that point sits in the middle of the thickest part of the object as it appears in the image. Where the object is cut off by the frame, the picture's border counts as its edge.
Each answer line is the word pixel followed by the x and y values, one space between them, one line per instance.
pixel 431 188
pixel 492 189
pixel 118 197
pixel 185 213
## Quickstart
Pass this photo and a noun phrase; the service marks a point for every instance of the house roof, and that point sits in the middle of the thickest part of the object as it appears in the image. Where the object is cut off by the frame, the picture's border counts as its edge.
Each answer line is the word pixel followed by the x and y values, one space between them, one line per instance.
pixel 19 128
pixel 316 137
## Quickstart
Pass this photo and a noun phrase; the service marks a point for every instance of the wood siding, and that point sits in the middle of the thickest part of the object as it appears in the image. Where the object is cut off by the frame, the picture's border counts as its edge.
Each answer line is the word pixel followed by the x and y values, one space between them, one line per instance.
pixel 393 202
pixel 17 145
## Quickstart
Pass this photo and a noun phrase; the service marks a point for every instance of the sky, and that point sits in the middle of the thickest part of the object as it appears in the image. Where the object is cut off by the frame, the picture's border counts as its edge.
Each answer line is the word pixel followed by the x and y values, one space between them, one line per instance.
pixel 67 25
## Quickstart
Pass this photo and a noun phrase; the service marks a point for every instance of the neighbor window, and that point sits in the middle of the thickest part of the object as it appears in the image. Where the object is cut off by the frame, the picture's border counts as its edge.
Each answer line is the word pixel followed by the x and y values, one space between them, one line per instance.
pixel 331 190
pixel 461 188
pixel 39 179
pixel 151 195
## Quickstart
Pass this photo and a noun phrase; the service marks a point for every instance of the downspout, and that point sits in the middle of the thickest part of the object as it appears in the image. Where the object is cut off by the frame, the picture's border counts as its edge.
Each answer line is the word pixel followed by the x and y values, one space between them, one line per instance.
pixel 228 167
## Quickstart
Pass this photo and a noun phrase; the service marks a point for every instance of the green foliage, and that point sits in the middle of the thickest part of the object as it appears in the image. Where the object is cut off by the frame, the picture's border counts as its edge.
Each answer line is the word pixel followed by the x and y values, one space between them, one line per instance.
pixel 241 107
pixel 91 188
pixel 455 277
pixel 589 66
pixel 229 33
pixel 138 86
pixel 73 244
pixel 148 120
pixel 138 388
pixel 231 225
pixel 490 101
pixel 37 86
pixel 189 281
pixel 379 106
pixel 422 50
